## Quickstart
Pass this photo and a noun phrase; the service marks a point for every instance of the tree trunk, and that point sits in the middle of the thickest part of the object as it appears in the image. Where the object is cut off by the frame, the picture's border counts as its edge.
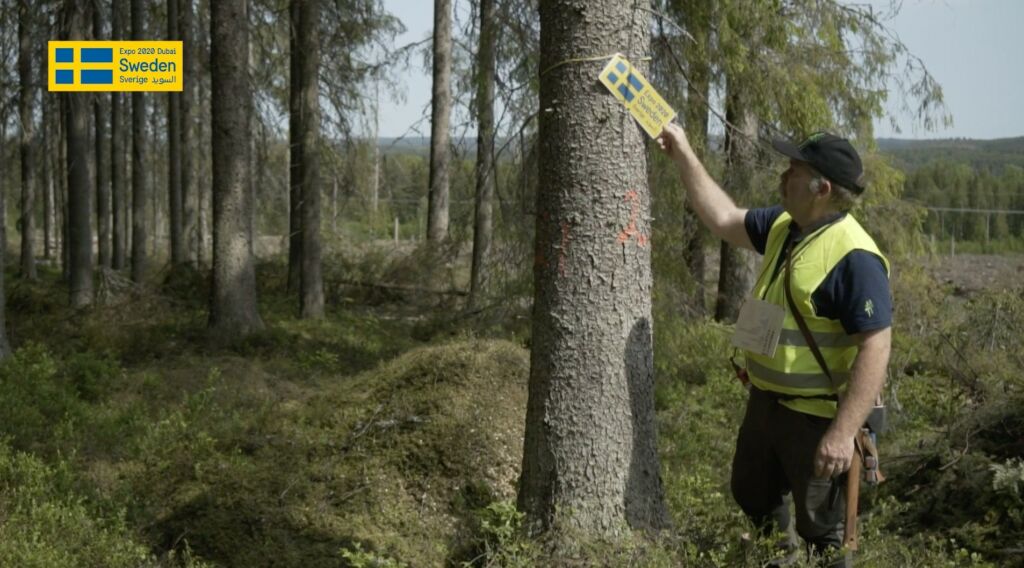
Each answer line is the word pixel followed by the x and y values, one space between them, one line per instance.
pixel 188 192
pixel 233 305
pixel 102 165
pixel 440 110
pixel 375 141
pixel 140 182
pixel 49 151
pixel 485 179
pixel 294 150
pixel 735 268
pixel 62 189
pixel 80 185
pixel 26 111
pixel 204 190
pixel 312 295
pixel 590 462
pixel 118 175
pixel 175 206
pixel 5 346
pixel 3 191
pixel 696 116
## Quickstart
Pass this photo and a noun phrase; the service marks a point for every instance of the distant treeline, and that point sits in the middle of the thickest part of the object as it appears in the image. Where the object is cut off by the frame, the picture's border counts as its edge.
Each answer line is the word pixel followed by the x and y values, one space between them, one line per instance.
pixel 954 184
pixel 981 155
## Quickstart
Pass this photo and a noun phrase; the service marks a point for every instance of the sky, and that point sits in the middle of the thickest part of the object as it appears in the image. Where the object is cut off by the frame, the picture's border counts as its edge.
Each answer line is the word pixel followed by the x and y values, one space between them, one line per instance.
pixel 973 48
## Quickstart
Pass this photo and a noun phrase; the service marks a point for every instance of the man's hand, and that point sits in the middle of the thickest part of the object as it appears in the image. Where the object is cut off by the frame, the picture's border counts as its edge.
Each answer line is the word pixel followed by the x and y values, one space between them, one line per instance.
pixel 673 141
pixel 834 454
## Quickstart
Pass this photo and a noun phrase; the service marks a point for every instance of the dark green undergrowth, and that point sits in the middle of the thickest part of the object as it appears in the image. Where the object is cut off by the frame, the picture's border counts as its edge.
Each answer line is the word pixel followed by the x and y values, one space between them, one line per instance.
pixel 390 434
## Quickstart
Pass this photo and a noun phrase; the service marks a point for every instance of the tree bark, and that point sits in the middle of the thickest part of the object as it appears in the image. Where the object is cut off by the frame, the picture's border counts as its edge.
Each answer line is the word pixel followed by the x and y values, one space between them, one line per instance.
pixel 175 206
pixel 26 111
pixel 590 463
pixel 80 182
pixel 49 148
pixel 485 179
pixel 735 264
pixel 312 295
pixel 61 191
pixel 140 181
pixel 233 304
pixel 118 176
pixel 102 166
pixel 294 150
pixel 3 186
pixel 5 346
pixel 118 164
pixel 440 111
pixel 188 192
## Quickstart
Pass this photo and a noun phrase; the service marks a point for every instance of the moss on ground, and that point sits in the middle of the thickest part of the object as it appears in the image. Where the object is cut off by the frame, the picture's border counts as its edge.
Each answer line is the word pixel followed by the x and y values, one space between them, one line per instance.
pixel 349 441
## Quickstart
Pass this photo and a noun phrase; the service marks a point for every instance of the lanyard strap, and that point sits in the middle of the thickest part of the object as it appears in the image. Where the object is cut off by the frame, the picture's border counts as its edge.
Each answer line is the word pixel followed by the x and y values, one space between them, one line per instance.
pixel 803 324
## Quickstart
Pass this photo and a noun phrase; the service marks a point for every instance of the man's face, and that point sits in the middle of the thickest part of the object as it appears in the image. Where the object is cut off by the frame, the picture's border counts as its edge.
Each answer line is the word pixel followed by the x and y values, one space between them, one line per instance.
pixel 795 188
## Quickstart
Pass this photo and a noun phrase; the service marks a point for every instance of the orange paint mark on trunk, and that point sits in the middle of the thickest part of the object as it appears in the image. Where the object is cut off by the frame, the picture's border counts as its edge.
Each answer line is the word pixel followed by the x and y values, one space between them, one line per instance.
pixel 631 231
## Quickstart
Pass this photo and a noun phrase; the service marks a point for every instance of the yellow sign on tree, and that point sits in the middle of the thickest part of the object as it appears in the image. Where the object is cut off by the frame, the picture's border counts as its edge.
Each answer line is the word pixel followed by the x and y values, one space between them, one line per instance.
pixel 639 97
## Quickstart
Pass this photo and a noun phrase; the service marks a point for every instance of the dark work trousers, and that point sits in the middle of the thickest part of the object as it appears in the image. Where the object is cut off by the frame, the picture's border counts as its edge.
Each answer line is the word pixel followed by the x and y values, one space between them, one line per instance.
pixel 775 456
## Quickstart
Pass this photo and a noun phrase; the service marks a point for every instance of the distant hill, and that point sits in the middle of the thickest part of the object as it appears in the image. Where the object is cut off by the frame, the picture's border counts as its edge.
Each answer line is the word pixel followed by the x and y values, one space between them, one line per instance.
pixel 981 155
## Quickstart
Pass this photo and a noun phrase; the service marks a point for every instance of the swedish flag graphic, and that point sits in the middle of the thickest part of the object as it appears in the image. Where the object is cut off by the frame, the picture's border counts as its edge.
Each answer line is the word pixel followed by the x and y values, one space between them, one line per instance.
pixel 637 95
pixel 624 81
pixel 94 66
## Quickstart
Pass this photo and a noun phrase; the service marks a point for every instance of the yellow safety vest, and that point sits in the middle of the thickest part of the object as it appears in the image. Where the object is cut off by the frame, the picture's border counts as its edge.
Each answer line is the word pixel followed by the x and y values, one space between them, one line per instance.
pixel 794 370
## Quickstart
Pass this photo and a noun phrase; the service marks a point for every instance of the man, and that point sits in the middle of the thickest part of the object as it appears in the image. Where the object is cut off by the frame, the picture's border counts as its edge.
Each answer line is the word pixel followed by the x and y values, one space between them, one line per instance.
pixel 795 437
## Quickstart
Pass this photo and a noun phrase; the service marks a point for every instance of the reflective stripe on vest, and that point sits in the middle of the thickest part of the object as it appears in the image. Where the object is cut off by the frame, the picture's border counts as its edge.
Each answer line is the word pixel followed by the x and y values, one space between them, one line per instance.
pixel 794 370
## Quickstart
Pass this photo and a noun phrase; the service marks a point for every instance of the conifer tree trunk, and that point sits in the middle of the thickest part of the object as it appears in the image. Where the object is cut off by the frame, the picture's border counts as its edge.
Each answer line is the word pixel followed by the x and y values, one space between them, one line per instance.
pixel 312 294
pixel 102 165
pixel 26 110
pixel 48 174
pixel 5 346
pixel 294 150
pixel 735 273
pixel 696 115
pixel 233 307
pixel 188 192
pixel 175 206
pixel 3 185
pixel 485 178
pixel 440 105
pixel 118 164
pixel 140 180
pixel 118 177
pixel 80 182
pixel 590 463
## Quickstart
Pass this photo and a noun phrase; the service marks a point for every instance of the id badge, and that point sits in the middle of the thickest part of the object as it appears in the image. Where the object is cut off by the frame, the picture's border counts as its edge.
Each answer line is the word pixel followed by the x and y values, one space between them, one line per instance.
pixel 758 327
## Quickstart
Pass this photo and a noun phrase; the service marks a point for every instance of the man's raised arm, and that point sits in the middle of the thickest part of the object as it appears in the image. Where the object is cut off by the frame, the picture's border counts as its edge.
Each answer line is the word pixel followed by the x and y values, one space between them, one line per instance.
pixel 715 208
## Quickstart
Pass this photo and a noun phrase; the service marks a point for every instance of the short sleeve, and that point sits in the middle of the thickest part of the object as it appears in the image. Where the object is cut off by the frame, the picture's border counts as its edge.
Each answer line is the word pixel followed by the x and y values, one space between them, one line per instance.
pixel 758 223
pixel 856 293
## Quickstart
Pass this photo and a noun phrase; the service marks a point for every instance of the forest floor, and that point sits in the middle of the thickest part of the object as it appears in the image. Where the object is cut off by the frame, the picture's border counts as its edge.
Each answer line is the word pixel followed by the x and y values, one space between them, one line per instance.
pixel 390 433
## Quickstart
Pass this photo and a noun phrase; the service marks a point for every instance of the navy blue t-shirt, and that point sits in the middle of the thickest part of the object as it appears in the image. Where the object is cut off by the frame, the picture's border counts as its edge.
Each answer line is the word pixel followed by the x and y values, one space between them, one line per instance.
pixel 855 292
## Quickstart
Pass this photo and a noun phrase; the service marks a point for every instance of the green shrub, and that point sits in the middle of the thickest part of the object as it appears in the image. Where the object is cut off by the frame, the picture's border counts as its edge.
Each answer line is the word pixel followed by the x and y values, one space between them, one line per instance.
pixel 35 397
pixel 47 525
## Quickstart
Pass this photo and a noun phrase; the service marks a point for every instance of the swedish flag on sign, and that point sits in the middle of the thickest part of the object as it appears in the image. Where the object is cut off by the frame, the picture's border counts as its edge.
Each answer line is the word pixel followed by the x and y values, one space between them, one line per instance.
pixel 94 65
pixel 79 66
pixel 637 95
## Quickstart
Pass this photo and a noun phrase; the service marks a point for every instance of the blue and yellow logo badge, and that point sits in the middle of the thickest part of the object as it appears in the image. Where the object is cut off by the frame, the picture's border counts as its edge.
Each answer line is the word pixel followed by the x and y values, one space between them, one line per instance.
pixel 115 66
pixel 637 95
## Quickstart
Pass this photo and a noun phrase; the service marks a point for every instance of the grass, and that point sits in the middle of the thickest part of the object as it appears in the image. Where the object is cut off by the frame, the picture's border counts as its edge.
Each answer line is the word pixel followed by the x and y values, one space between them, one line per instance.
pixel 390 433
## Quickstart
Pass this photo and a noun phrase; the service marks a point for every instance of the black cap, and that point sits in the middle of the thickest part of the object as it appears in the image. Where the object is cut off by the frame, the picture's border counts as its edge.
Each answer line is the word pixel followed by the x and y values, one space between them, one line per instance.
pixel 831 155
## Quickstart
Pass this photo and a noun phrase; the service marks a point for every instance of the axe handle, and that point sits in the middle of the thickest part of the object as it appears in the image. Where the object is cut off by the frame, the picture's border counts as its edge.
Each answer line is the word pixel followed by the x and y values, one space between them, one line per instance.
pixel 852 496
